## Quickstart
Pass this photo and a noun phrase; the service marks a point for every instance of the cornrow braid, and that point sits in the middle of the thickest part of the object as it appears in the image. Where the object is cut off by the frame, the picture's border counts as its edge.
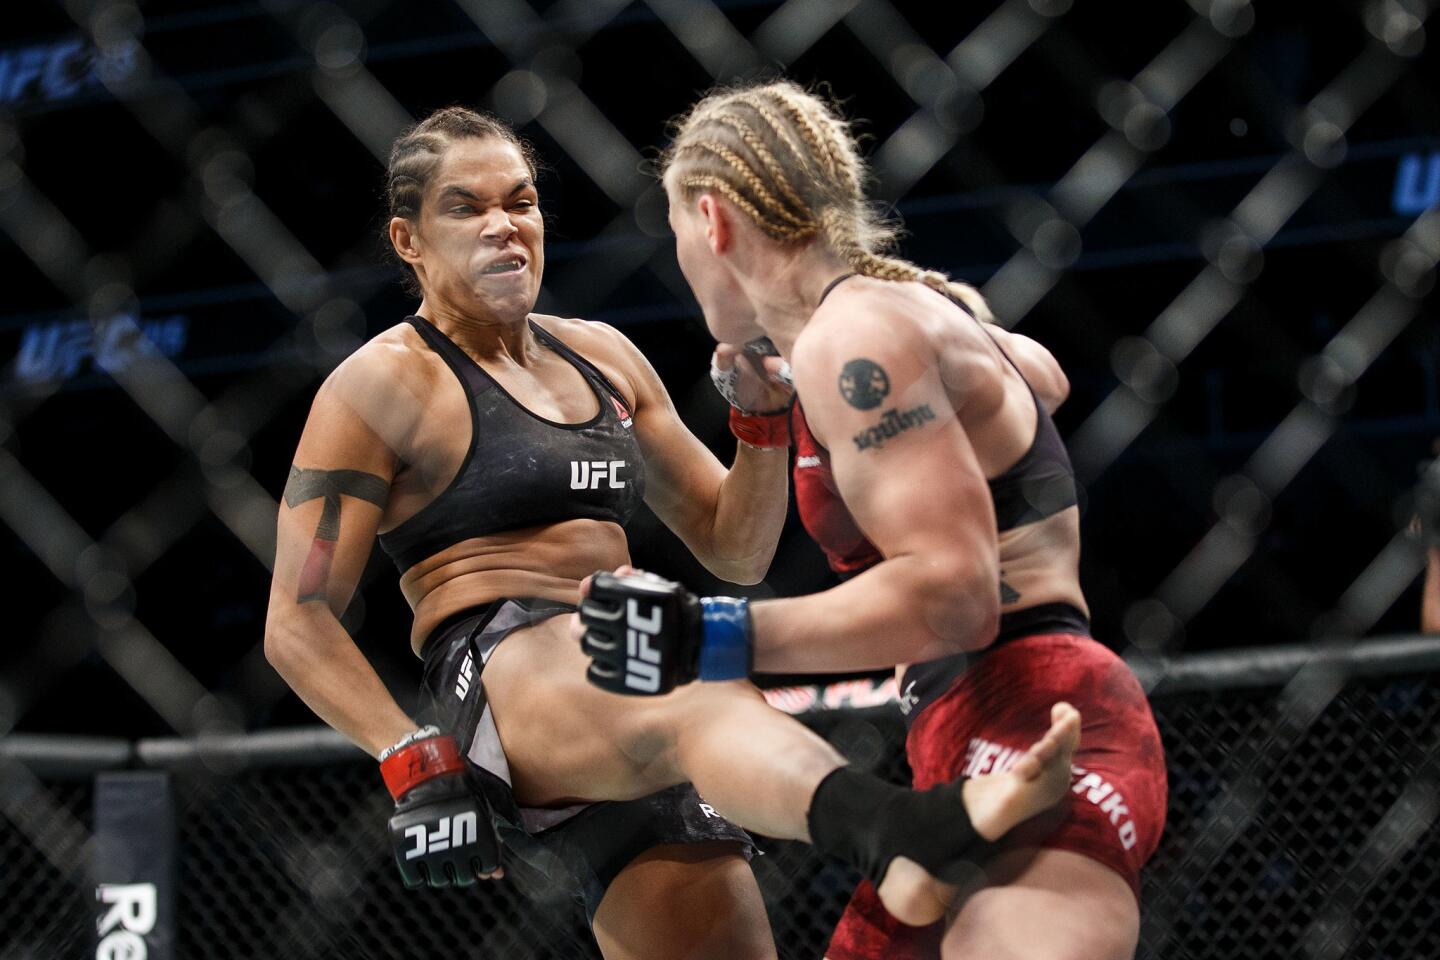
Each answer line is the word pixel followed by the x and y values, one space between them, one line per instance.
pixel 884 267
pixel 833 131
pixel 830 134
pixel 814 140
pixel 838 230
pixel 806 179
pixel 777 172
pixel 777 126
pixel 773 230
pixel 753 181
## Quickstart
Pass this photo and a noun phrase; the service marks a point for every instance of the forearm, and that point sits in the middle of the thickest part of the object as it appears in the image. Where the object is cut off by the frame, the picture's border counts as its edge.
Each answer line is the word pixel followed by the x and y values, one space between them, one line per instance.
pixel 1430 602
pixel 317 658
pixel 750 506
pixel 896 612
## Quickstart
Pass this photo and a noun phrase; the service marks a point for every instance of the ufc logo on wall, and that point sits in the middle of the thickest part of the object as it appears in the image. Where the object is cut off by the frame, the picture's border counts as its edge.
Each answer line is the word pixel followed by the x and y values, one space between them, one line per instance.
pixel 447 832
pixel 589 474
pixel 642 670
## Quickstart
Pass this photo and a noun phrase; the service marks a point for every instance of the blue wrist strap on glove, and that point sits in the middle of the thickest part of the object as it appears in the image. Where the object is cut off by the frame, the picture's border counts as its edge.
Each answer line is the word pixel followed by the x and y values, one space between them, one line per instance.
pixel 725 638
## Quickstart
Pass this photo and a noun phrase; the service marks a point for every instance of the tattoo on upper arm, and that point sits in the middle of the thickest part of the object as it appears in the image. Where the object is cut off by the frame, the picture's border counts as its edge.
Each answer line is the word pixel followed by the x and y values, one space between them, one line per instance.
pixel 864 383
pixel 305 485
pixel 892 422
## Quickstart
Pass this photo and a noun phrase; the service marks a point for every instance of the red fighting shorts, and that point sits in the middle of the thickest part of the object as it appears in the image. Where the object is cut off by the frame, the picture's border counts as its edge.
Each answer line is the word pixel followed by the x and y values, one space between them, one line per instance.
pixel 985 719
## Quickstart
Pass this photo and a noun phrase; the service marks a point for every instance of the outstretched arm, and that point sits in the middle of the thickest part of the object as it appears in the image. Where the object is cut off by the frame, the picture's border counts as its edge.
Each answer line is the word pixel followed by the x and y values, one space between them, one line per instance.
pixel 910 477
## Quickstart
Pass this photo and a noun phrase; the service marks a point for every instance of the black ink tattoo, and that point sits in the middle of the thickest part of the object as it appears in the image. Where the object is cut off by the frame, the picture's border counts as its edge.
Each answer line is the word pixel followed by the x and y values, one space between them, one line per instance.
pixel 1008 594
pixel 892 422
pixel 863 384
pixel 306 485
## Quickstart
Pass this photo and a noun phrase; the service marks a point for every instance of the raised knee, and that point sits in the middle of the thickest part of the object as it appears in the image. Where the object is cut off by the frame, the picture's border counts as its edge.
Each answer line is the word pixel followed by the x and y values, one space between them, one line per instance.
pixel 647 737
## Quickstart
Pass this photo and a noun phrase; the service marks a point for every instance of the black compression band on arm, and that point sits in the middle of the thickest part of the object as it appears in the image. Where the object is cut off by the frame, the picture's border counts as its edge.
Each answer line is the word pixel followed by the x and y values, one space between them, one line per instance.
pixel 867 822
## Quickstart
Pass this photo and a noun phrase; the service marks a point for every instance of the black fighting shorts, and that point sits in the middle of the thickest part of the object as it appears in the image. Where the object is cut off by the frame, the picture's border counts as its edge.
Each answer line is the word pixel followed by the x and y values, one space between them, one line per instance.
pixel 582 847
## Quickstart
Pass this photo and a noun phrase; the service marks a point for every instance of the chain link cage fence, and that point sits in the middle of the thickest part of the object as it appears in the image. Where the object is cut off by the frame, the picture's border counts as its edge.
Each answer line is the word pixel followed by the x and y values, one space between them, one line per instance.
pixel 1291 833
pixel 1220 215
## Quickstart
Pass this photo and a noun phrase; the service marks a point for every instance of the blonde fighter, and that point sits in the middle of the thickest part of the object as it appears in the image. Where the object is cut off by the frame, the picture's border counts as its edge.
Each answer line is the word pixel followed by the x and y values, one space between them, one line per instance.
pixel 929 469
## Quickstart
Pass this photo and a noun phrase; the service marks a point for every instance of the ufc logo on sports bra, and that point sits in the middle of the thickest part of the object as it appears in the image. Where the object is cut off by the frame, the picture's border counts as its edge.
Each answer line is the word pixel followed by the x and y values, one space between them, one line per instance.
pixel 590 474
pixel 642 661
pixel 456 831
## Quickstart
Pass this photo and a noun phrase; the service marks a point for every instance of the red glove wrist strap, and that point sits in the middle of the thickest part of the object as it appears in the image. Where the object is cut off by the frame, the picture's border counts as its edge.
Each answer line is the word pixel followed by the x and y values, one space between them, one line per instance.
pixel 420 761
pixel 761 429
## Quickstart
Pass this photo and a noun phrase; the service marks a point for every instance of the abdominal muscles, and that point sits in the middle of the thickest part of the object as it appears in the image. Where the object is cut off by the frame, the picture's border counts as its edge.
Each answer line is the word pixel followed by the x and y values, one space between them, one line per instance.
pixel 547 562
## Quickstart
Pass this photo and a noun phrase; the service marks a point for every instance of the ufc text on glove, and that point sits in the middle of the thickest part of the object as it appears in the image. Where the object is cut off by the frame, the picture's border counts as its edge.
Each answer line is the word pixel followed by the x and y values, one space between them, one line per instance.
pixel 646 636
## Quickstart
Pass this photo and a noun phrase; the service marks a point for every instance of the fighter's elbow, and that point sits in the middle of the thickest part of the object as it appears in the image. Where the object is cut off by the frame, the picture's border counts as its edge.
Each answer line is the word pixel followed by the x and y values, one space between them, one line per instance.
pixel 748 577
pixel 285 635
pixel 746 570
pixel 278 641
pixel 962 607
pixel 742 574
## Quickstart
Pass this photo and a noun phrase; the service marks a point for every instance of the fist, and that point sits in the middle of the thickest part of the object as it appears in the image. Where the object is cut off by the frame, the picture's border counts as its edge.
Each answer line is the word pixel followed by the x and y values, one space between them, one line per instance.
pixel 641 632
pixel 753 378
pixel 442 831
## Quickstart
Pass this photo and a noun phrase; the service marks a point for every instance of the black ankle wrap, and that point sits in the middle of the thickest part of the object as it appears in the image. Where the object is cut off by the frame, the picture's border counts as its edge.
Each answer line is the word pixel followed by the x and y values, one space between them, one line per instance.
pixel 867 822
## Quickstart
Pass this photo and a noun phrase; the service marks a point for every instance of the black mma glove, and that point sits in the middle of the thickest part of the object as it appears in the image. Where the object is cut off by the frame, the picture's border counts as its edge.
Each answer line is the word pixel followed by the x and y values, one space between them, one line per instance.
pixel 646 635
pixel 441 831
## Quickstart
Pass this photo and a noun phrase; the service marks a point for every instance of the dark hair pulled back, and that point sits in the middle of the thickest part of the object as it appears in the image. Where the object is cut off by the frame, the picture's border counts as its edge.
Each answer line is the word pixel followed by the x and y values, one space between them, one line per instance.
pixel 416 154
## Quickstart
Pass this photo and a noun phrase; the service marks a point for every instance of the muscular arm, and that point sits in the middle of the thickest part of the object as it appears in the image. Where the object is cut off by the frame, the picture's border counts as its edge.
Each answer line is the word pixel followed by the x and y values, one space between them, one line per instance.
pixel 333 502
pixel 909 475
pixel 729 519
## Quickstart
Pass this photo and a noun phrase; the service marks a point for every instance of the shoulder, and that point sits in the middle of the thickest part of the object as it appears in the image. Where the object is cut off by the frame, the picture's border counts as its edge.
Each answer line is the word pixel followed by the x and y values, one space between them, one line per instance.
pixel 906 323
pixel 1038 365
pixel 394 365
pixel 585 335
pixel 603 345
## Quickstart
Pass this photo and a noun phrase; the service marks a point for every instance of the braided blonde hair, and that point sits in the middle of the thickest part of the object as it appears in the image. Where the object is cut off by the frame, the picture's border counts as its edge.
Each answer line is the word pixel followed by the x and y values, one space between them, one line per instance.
pixel 788 160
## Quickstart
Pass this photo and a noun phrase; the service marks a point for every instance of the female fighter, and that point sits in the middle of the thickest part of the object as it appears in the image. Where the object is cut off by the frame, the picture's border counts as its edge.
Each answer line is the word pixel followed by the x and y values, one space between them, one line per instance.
pixel 929 469
pixel 497 454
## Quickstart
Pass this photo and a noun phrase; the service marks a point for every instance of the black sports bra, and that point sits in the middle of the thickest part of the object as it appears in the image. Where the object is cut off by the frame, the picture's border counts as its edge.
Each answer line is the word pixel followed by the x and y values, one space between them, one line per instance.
pixel 1042 482
pixel 522 470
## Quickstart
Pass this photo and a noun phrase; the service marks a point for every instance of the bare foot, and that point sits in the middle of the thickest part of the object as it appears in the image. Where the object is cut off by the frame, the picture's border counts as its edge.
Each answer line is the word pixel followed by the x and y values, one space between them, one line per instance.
pixel 1038 780
pixel 996 803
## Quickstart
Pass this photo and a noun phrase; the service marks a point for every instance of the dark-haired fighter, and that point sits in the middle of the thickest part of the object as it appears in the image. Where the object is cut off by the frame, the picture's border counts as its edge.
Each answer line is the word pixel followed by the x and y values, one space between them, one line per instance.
pixel 928 467
pixel 498 454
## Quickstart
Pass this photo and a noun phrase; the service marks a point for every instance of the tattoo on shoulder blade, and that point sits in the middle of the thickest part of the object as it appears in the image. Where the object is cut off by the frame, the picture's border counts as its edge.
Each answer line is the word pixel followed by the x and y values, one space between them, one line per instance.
pixel 863 384
pixel 305 485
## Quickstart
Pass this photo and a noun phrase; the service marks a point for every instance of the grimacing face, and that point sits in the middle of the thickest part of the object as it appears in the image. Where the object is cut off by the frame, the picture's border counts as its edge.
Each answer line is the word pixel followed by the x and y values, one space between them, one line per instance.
pixel 728 312
pixel 481 239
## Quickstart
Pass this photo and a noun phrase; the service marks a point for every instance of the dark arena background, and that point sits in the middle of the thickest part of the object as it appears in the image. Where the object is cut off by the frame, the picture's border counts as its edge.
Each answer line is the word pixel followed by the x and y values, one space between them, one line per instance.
pixel 1220 216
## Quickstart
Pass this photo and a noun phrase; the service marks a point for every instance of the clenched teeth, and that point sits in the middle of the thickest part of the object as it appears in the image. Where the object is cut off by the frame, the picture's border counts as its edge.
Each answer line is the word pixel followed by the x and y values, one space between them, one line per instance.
pixel 505 266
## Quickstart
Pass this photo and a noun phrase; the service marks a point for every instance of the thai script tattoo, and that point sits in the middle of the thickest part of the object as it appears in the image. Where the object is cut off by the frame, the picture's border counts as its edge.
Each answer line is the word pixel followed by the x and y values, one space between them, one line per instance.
pixel 893 422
